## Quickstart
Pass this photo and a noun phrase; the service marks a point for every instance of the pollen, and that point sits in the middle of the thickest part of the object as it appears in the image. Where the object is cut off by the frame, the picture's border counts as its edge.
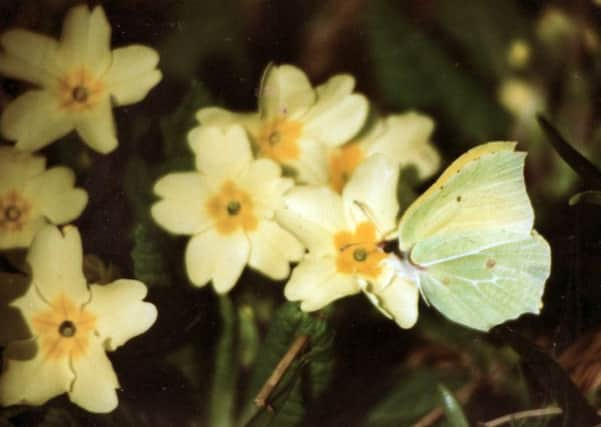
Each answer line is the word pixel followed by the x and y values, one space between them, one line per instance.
pixel 278 139
pixel 358 252
pixel 14 211
pixel 232 209
pixel 64 329
pixel 80 90
pixel 343 163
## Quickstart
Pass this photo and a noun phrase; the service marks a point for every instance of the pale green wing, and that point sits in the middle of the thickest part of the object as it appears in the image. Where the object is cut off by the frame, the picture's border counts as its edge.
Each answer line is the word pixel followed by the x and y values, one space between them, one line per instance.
pixel 479 201
pixel 491 286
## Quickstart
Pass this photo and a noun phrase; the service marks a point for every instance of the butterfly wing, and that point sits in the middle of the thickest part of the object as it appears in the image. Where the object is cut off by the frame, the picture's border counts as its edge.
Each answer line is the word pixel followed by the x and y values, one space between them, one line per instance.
pixel 491 286
pixel 475 215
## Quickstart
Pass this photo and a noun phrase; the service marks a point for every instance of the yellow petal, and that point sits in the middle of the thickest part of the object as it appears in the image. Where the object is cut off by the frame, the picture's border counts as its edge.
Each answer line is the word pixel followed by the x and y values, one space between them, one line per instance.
pixel 339 123
pixel 17 167
pixel 182 211
pixel 338 115
pixel 405 140
pixel 263 180
pixel 54 195
pixel 312 163
pixel 86 38
pixel 272 248
pixel 22 238
pixel 217 257
pixel 34 120
pixel 95 380
pixel 286 91
pixel 29 56
pixel 219 117
pixel 55 259
pixel 120 312
pixel 97 127
pixel 399 301
pixel 132 74
pixel 29 378
pixel 371 194
pixel 315 283
pixel 313 215
pixel 221 152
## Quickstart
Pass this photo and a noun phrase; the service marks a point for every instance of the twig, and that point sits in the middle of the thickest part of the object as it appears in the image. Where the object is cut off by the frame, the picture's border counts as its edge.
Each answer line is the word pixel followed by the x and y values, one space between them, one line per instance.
pixel 279 371
pixel 533 413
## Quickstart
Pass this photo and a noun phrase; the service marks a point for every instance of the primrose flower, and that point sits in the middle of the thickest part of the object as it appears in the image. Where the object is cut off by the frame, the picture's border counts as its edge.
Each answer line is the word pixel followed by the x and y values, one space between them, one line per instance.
pixel 296 123
pixel 345 236
pixel 31 196
pixel 402 138
pixel 72 325
pixel 79 78
pixel 227 206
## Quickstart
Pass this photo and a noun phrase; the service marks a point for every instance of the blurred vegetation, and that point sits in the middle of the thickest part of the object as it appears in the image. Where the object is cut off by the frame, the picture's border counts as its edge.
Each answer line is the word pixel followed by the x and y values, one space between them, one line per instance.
pixel 206 359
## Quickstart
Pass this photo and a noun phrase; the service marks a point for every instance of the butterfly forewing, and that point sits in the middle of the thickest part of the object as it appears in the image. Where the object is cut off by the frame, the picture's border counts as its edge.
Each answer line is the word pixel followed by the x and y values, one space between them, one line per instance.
pixel 482 193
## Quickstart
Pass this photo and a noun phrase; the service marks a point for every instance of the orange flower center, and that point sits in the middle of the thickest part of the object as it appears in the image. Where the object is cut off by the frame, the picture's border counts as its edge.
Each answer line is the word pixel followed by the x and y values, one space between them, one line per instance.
pixel 80 90
pixel 278 139
pixel 14 211
pixel 358 252
pixel 64 329
pixel 343 162
pixel 232 209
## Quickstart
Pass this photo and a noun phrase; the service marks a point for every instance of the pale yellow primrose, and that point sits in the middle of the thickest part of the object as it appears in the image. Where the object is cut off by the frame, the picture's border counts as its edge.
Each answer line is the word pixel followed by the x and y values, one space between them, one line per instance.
pixel 402 138
pixel 227 206
pixel 79 79
pixel 72 326
pixel 32 196
pixel 343 234
pixel 296 123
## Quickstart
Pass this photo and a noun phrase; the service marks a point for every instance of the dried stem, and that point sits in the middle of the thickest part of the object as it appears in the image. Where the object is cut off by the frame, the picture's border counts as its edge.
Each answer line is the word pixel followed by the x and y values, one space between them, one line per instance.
pixel 533 413
pixel 279 371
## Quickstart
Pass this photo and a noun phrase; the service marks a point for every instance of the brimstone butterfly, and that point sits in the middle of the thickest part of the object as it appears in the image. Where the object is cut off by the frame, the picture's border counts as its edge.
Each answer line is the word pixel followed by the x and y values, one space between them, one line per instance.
pixel 468 244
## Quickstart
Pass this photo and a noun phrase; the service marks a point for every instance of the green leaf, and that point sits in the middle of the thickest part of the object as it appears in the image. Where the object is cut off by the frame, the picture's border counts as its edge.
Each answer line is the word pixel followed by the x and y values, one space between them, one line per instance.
pixel 414 395
pixel 177 154
pixel 156 255
pixel 452 408
pixel 580 164
pixel 306 378
pixel 225 376
pixel 413 71
pixel 153 249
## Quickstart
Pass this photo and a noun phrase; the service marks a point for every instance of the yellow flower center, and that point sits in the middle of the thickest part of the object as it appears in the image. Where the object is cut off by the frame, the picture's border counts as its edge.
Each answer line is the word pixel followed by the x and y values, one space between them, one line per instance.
pixel 232 209
pixel 358 252
pixel 343 162
pixel 64 329
pixel 14 211
pixel 278 139
pixel 80 90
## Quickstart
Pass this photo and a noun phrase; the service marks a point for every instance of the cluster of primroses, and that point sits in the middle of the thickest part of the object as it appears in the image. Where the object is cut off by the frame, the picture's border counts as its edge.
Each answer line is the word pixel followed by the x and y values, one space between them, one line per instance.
pixel 310 178
pixel 56 328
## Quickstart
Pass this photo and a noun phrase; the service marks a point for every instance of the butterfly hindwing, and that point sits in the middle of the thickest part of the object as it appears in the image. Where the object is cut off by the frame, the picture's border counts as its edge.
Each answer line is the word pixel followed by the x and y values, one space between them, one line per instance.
pixel 489 287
